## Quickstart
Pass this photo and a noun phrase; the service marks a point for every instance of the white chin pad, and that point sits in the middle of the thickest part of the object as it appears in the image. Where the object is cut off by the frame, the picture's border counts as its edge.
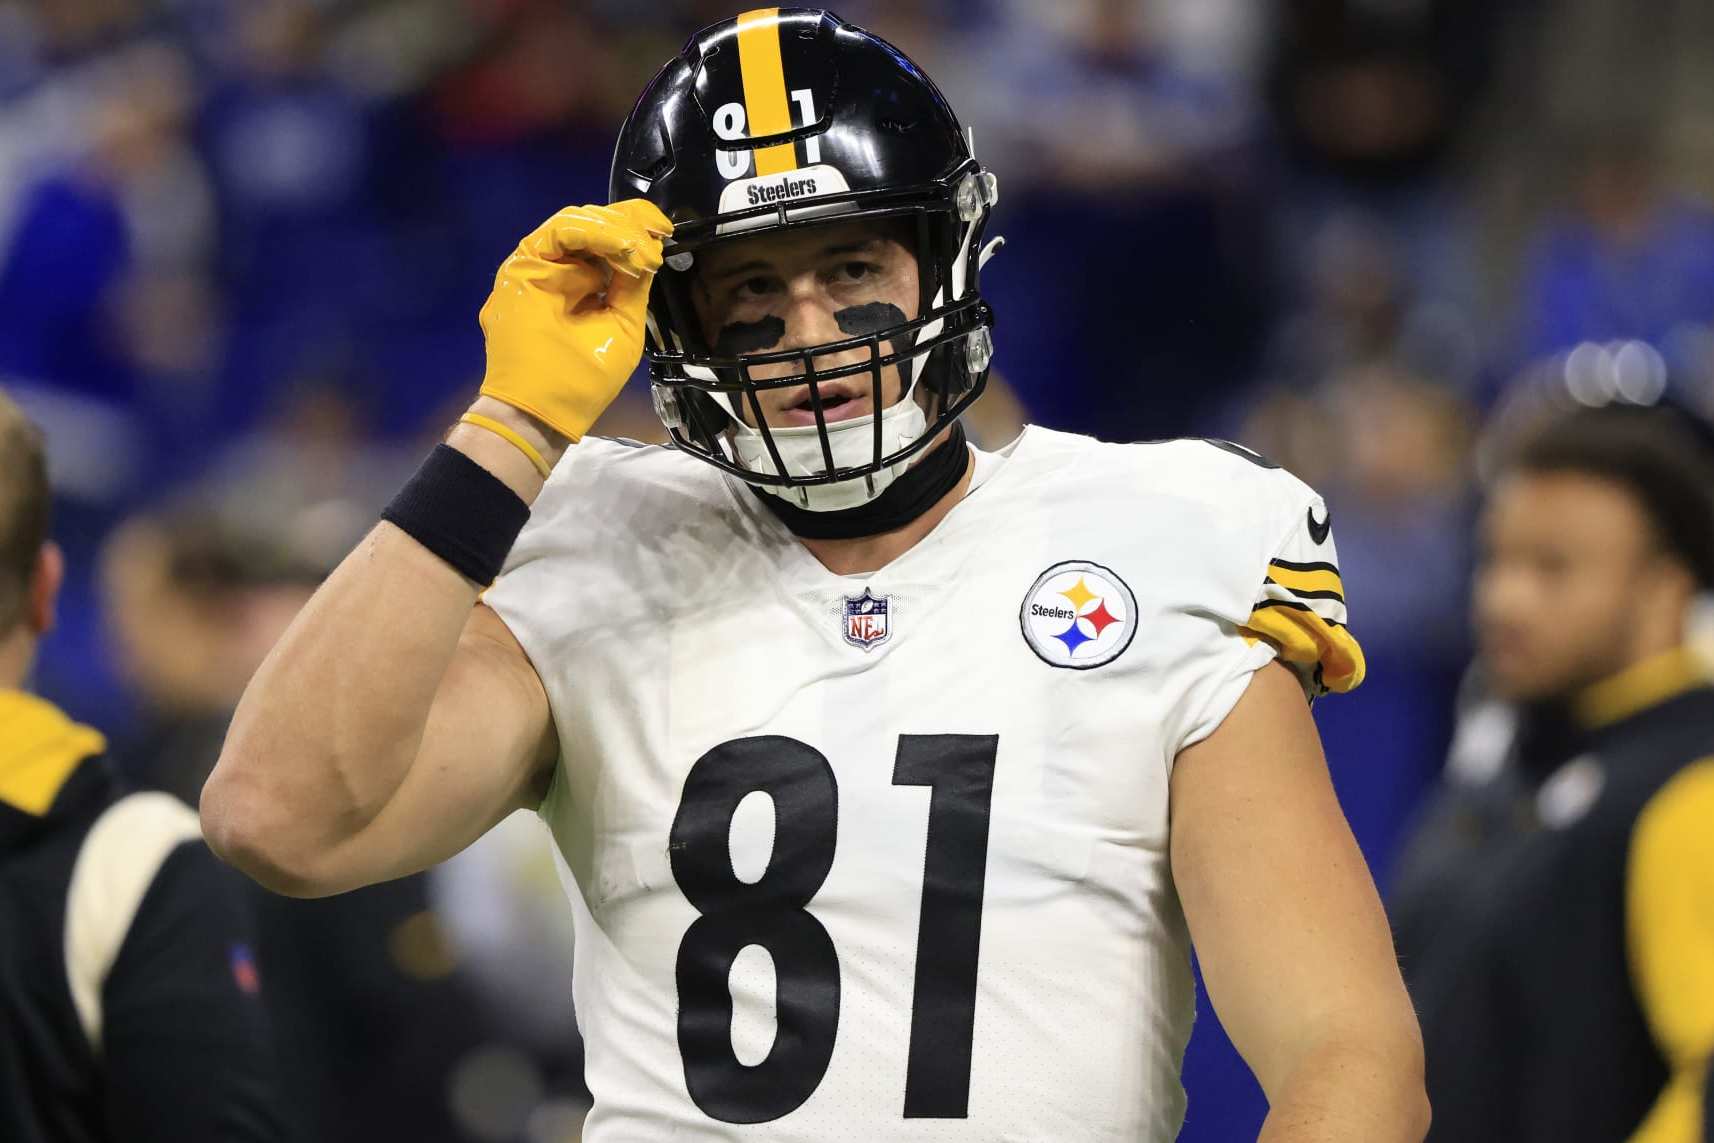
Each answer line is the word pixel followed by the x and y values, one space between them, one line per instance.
pixel 852 443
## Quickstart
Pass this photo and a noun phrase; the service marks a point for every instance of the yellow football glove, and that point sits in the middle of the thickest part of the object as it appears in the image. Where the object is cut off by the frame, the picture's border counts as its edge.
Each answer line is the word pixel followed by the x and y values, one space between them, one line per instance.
pixel 564 325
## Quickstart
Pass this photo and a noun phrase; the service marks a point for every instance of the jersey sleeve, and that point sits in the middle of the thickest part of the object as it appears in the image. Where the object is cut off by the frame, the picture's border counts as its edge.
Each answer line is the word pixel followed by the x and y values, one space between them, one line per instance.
pixel 1258 581
pixel 1299 607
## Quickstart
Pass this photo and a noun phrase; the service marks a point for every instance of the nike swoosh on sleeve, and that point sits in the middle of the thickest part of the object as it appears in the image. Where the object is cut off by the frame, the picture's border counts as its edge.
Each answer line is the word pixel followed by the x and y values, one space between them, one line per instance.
pixel 1319 532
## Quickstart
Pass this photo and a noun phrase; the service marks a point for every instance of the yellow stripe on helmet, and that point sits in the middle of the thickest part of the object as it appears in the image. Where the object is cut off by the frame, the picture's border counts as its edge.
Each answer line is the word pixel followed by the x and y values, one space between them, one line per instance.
pixel 766 108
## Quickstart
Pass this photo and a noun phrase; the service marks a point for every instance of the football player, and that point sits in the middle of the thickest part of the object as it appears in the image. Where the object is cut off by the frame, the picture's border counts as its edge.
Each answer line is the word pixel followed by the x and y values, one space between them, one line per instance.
pixel 893 780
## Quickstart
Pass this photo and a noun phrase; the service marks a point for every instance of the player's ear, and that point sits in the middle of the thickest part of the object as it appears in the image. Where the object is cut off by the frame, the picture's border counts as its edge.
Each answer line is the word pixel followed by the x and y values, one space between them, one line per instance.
pixel 45 582
pixel 1673 589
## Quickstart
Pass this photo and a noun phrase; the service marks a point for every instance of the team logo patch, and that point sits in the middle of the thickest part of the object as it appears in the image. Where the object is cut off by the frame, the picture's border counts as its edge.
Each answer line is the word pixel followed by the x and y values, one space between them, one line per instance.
pixel 866 620
pixel 1078 615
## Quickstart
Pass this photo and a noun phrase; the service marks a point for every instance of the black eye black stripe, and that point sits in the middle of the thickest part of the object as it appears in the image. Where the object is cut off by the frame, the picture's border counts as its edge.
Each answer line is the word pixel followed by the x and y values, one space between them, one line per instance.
pixel 870 317
pixel 764 333
pixel 750 336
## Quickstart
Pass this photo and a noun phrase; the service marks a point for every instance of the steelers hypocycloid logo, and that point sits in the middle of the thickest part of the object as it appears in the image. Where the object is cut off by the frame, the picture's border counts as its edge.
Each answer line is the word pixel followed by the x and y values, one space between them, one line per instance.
pixel 1078 615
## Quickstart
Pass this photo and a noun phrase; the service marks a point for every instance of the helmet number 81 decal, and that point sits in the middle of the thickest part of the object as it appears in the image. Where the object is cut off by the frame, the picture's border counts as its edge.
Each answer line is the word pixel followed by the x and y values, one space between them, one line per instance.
pixel 730 124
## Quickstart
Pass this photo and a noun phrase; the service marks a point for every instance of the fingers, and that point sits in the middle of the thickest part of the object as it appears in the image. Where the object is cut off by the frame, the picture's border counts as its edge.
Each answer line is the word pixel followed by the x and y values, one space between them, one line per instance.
pixel 646 215
pixel 538 290
pixel 627 236
pixel 626 294
pixel 605 254
pixel 573 278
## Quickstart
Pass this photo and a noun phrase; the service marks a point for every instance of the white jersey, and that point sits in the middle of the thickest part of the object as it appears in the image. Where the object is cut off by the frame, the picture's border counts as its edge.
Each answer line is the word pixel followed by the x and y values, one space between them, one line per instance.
pixel 885 856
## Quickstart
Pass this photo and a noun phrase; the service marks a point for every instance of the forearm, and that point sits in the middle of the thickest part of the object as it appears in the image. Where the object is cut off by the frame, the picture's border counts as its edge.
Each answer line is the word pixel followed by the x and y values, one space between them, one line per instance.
pixel 331 723
pixel 1349 1091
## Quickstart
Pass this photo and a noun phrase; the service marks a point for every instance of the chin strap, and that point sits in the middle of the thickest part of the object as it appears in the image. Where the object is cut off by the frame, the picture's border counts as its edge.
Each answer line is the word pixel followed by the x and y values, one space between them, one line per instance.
pixel 914 492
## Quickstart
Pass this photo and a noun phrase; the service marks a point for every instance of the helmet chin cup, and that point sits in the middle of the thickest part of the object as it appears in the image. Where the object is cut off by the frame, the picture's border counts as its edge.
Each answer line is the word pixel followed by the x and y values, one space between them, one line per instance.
pixel 801 450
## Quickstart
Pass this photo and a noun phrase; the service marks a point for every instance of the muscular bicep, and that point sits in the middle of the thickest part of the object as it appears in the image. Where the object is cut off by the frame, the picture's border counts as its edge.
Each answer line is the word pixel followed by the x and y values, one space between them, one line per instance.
pixel 1284 916
pixel 488 749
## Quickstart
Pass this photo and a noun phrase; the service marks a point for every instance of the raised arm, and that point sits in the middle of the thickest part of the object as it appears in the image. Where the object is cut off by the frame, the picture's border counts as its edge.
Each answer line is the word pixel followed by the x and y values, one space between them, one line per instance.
pixel 397 720
pixel 1292 939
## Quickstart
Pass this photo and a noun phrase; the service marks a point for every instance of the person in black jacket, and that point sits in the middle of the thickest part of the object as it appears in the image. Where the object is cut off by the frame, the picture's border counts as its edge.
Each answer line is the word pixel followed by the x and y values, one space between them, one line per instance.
pixel 130 1007
pixel 1552 909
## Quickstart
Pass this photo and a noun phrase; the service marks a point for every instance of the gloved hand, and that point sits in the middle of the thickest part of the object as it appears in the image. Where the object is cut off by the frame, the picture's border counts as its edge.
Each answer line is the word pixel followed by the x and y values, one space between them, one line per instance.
pixel 564 324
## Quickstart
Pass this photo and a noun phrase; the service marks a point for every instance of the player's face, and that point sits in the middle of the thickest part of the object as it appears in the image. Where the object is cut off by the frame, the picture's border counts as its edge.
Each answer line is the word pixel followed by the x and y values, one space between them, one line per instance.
pixel 807 287
pixel 1565 567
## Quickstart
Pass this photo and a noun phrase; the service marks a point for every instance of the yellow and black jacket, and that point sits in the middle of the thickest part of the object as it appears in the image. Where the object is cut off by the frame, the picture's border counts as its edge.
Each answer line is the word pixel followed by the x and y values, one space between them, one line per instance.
pixel 129 1005
pixel 1566 981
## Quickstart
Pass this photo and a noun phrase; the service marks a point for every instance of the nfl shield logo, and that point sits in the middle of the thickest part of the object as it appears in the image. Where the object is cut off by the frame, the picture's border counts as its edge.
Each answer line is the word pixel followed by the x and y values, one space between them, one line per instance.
pixel 866 620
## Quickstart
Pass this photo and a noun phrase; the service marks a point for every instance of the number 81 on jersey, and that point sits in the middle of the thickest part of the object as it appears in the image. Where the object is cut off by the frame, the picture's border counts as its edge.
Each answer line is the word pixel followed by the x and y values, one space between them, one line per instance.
pixel 772 912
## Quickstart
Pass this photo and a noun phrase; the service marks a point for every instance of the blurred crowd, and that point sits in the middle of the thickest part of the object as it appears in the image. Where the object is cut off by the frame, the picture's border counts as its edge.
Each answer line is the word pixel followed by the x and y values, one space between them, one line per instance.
pixel 243 244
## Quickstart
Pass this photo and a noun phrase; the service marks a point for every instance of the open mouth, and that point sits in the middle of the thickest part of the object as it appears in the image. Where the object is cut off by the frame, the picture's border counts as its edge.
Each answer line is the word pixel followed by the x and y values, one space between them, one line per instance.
pixel 838 403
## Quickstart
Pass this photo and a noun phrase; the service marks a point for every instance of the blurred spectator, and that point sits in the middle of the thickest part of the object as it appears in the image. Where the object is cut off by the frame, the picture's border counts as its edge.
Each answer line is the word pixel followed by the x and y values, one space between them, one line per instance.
pixel 1370 101
pixel 1545 908
pixel 1129 294
pixel 1360 307
pixel 1376 93
pixel 1147 109
pixel 1632 259
pixel 128 985
pixel 105 286
pixel 290 151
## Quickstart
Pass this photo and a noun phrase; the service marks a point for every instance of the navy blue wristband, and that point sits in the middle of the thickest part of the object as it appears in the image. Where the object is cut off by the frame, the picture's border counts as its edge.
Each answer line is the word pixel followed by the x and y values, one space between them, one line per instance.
pixel 461 512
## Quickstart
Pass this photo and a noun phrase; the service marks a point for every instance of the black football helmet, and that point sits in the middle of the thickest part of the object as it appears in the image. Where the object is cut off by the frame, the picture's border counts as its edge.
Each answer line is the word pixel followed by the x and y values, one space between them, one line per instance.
pixel 785 118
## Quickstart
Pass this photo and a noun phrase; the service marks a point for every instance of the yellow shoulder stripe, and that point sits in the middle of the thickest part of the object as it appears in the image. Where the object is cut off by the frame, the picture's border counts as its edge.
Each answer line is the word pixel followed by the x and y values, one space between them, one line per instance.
pixel 1669 920
pixel 1303 638
pixel 1307 577
pixel 766 108
pixel 39 749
